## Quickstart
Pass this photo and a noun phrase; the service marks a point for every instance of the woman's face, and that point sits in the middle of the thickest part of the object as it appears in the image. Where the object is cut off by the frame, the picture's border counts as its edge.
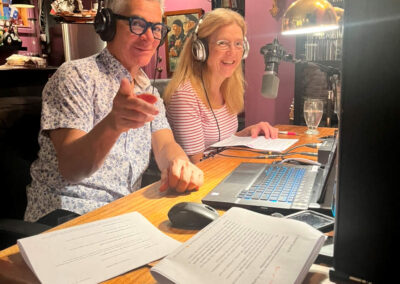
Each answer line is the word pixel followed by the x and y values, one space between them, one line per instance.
pixel 225 48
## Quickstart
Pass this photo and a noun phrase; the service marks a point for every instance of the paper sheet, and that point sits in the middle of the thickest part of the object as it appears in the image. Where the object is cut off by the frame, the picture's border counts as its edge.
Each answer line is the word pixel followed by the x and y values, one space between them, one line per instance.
pixel 243 247
pixel 260 143
pixel 96 251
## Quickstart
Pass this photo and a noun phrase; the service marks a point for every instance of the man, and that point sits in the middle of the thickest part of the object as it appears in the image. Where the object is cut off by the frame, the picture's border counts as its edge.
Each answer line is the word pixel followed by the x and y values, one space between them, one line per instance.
pixel 96 134
pixel 189 26
pixel 175 42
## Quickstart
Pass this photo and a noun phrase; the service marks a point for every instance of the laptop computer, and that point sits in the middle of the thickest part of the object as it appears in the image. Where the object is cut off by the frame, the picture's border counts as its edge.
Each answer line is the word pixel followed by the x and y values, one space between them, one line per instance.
pixel 269 188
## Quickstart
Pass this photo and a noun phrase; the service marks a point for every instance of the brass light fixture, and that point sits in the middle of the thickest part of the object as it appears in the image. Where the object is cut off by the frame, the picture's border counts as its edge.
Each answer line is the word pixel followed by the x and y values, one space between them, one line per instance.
pixel 309 16
pixel 22 4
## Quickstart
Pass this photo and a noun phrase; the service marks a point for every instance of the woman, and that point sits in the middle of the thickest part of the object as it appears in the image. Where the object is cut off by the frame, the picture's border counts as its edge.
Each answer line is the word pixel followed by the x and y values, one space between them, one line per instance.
pixel 206 91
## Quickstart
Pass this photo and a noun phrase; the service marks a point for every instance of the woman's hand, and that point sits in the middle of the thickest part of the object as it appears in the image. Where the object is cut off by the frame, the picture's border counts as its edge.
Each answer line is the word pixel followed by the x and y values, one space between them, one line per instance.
pixel 261 127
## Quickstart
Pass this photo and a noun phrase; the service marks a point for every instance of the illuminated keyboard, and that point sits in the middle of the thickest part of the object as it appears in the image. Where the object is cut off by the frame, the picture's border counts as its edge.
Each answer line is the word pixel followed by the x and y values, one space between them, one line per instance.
pixel 276 184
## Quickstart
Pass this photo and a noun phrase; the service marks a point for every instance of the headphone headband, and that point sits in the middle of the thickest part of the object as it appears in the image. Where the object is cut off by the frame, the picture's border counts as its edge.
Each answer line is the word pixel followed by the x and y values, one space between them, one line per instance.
pixel 200 45
pixel 105 24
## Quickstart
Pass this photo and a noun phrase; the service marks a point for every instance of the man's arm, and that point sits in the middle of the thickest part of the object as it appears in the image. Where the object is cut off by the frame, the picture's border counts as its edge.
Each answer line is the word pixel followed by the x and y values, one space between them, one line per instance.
pixel 80 154
pixel 196 158
pixel 176 170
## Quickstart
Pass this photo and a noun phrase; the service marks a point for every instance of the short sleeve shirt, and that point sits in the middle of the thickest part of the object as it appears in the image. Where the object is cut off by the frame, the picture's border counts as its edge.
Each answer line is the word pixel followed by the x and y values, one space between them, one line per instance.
pixel 79 95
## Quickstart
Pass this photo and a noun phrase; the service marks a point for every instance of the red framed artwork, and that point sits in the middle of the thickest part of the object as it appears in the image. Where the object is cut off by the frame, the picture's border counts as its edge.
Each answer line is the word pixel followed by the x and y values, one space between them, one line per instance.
pixel 182 24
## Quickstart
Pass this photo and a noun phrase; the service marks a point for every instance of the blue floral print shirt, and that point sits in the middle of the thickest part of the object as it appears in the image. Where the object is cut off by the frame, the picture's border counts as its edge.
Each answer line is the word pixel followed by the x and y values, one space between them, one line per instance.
pixel 79 95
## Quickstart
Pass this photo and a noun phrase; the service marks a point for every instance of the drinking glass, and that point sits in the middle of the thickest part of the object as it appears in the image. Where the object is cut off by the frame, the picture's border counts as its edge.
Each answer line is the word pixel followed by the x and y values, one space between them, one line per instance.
pixel 313 110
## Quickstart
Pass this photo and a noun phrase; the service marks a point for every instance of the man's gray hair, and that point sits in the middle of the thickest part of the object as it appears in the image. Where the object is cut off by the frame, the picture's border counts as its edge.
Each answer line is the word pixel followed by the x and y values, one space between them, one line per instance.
pixel 119 6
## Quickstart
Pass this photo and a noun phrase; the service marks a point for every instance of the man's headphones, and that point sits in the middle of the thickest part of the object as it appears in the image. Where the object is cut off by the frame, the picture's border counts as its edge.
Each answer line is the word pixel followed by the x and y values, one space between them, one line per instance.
pixel 200 46
pixel 105 24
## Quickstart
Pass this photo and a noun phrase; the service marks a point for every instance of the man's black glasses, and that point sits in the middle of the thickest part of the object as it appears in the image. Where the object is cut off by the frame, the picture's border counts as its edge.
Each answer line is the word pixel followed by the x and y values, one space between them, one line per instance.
pixel 139 26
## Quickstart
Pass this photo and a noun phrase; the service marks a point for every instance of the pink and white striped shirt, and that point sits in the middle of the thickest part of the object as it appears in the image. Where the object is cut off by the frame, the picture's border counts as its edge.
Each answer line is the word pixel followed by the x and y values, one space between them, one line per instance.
pixel 193 123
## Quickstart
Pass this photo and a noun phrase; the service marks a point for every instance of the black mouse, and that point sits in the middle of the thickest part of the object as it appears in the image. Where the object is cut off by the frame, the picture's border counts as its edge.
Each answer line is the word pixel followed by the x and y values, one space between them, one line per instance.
pixel 191 215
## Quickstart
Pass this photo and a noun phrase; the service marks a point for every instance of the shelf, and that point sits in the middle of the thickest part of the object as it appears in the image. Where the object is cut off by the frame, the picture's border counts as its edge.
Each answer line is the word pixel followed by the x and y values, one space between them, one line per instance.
pixel 12 48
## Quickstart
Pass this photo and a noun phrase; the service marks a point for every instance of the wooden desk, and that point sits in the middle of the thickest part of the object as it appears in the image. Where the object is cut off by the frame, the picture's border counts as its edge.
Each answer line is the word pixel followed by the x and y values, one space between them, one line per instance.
pixel 154 206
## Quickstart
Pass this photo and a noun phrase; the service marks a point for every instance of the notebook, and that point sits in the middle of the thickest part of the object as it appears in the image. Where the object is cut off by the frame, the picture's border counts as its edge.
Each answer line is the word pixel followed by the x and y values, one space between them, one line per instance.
pixel 269 188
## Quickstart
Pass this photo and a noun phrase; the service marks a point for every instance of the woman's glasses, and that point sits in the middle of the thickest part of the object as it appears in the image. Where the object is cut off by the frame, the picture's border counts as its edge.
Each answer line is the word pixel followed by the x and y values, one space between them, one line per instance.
pixel 139 26
pixel 223 44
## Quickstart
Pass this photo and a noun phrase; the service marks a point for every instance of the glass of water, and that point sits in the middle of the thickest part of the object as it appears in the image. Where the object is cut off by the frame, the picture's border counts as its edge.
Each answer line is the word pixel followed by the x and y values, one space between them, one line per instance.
pixel 313 110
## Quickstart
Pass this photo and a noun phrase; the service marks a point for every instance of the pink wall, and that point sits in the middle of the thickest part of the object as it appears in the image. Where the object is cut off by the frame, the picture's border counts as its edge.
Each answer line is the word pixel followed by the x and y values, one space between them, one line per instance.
pixel 174 5
pixel 262 29
pixel 30 36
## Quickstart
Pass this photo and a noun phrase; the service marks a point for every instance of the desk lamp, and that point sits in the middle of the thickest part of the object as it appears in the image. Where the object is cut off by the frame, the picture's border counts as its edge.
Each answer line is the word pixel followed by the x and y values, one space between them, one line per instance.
pixel 315 16
pixel 22 4
pixel 29 4
pixel 309 16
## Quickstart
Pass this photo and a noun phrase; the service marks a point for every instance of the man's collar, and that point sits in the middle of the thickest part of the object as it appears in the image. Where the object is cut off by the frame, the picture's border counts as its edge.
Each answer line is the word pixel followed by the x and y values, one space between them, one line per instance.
pixel 142 80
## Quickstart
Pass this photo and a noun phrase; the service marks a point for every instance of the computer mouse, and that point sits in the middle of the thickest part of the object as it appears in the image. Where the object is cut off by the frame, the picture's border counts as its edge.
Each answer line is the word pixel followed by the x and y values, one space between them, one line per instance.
pixel 191 215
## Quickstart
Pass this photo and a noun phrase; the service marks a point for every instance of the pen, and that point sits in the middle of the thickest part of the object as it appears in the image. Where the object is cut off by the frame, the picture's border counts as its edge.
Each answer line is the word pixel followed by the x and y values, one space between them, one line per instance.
pixel 287 133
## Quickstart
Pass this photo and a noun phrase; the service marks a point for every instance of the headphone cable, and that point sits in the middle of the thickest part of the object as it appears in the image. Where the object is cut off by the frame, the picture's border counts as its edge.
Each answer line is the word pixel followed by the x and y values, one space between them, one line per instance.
pixel 155 70
pixel 208 100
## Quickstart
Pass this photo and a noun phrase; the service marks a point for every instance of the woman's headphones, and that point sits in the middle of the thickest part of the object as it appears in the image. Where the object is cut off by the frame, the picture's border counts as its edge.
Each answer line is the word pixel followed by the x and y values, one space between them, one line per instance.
pixel 105 24
pixel 200 46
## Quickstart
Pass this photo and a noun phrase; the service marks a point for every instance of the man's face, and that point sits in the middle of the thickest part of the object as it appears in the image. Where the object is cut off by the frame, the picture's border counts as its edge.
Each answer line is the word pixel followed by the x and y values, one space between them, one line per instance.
pixel 131 50
pixel 176 29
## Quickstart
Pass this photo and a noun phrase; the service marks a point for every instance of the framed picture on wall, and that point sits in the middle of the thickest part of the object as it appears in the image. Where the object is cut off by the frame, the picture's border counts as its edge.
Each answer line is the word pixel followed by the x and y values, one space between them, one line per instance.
pixel 182 24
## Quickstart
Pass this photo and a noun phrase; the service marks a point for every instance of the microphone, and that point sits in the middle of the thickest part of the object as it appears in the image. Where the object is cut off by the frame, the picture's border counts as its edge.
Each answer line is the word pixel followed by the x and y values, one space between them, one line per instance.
pixel 273 54
pixel 270 85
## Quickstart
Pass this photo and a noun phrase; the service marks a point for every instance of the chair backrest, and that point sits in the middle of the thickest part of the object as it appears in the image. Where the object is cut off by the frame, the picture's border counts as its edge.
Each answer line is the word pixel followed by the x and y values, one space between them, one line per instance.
pixel 19 128
pixel 160 84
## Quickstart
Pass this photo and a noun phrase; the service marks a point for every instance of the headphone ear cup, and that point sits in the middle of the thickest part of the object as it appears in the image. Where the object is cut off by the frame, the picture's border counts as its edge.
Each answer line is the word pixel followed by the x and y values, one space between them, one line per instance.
pixel 246 48
pixel 105 24
pixel 200 50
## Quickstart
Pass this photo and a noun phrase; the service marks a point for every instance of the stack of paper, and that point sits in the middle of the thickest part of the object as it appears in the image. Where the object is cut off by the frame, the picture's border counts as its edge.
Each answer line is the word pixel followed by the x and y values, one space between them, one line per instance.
pixel 260 143
pixel 241 246
pixel 96 251
pixel 244 247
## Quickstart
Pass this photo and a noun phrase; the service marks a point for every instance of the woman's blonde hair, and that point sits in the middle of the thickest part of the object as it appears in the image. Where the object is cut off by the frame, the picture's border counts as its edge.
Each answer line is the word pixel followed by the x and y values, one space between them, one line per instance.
pixel 188 69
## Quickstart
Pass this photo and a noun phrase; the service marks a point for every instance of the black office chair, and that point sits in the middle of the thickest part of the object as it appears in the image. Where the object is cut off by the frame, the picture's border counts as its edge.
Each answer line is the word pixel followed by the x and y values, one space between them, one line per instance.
pixel 19 127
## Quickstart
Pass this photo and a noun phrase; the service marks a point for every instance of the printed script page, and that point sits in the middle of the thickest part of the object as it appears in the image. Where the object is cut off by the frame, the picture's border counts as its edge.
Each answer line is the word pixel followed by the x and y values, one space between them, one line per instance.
pixel 260 143
pixel 243 247
pixel 96 251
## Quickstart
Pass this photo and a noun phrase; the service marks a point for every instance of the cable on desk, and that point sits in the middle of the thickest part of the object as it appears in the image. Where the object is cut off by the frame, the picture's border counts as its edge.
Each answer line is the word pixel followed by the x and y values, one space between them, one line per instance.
pixel 216 151
pixel 238 148
pixel 243 157
pixel 272 156
pixel 310 145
